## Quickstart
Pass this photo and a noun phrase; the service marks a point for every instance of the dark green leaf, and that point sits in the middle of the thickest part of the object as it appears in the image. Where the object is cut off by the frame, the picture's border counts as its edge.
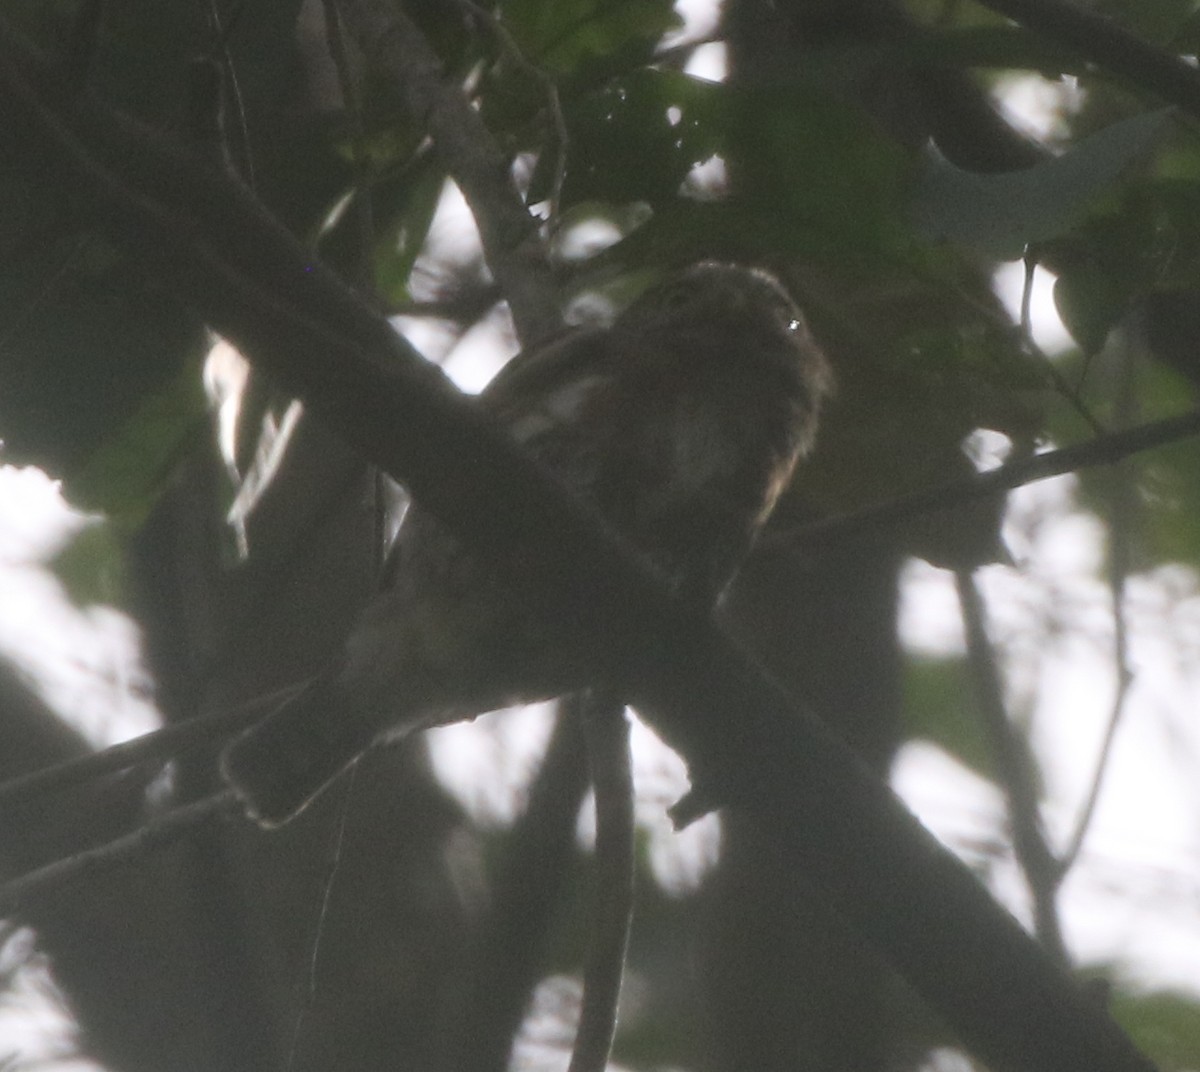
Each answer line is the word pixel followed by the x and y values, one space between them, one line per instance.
pixel 636 139
pixel 1090 302
pixel 585 38
pixel 125 476
pixel 824 175
pixel 84 340
pixel 403 232
pixel 1148 242
pixel 1165 1025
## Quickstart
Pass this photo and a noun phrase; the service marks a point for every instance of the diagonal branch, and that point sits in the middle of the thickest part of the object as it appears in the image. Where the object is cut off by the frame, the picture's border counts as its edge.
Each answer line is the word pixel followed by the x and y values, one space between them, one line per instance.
pixel 1102 450
pixel 745 740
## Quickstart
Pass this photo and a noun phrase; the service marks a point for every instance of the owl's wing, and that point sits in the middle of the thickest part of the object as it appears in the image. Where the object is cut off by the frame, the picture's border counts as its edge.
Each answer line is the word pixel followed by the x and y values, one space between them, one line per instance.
pixel 479 646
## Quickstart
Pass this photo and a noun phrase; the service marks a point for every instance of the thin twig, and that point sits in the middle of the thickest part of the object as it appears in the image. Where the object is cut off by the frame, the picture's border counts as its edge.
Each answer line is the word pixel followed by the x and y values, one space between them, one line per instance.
pixel 333 864
pixel 1099 39
pixel 1017 771
pixel 1121 506
pixel 511 242
pixel 606 729
pixel 1124 680
pixel 162 744
pixel 1102 450
pixel 175 824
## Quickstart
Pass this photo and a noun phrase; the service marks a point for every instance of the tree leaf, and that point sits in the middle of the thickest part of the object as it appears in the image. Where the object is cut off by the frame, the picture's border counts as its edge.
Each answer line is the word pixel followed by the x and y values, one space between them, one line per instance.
pixel 1090 302
pixel 1163 1023
pixel 586 38
pixel 1001 214
pixel 636 139
pixel 86 338
pixel 822 169
pixel 124 477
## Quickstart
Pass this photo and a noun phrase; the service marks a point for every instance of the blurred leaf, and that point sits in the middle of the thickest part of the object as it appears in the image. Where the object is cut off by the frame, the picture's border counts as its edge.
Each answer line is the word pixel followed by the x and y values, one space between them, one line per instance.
pixel 1171 523
pixel 1172 325
pixel 939 706
pixel 1090 302
pixel 403 204
pixel 1167 522
pixel 1148 241
pixel 823 172
pixel 1000 214
pixel 1161 245
pixel 402 232
pixel 586 38
pixel 84 339
pixel 1164 1024
pixel 636 139
pixel 1161 521
pixel 125 476
pixel 828 184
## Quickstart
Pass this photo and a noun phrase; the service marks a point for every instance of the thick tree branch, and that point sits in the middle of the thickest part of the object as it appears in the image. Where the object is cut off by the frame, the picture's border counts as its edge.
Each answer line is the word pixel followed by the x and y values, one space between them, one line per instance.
pixel 747 743
pixel 1102 41
pixel 511 245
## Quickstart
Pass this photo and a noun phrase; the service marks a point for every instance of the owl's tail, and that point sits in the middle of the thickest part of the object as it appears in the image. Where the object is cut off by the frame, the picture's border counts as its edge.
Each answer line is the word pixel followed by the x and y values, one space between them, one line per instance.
pixel 279 765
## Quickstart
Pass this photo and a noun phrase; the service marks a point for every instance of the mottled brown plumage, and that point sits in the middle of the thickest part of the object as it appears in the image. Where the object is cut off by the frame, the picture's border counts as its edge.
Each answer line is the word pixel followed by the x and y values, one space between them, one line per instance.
pixel 681 424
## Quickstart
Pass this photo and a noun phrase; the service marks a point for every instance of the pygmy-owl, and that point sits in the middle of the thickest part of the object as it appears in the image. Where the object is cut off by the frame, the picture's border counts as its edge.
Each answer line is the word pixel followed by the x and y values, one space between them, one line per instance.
pixel 681 424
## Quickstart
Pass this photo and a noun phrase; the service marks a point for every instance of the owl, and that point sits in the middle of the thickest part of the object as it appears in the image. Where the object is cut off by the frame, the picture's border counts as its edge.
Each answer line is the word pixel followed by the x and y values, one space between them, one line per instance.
pixel 680 425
